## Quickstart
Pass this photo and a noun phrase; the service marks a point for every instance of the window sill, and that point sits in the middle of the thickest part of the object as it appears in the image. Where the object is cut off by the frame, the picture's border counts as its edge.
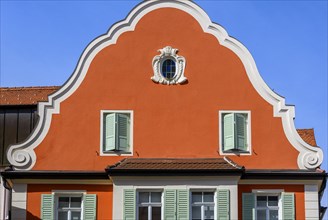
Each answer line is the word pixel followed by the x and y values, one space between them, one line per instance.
pixel 116 153
pixel 235 152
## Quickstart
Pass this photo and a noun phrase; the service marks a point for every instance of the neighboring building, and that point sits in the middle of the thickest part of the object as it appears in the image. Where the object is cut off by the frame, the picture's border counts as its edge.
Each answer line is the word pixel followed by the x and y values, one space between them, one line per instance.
pixel 18 116
pixel 166 117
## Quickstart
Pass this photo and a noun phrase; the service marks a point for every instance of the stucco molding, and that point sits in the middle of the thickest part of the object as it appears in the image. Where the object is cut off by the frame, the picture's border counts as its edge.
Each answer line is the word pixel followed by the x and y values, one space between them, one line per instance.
pixel 180 64
pixel 23 157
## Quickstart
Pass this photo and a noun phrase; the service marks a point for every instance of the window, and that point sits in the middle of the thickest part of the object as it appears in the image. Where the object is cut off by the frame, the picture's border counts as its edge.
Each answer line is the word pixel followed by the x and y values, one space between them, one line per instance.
pixel 235 132
pixel 69 207
pixel 149 205
pixel 169 203
pixel 116 132
pixel 168 68
pixel 202 205
pixel 267 207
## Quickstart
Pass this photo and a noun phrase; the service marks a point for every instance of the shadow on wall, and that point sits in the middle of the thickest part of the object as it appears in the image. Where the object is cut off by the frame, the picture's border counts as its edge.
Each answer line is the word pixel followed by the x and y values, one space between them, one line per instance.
pixel 19 214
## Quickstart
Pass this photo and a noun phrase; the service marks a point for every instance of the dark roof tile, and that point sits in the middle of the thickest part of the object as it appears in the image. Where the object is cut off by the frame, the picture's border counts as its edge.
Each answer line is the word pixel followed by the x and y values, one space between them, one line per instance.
pixel 25 95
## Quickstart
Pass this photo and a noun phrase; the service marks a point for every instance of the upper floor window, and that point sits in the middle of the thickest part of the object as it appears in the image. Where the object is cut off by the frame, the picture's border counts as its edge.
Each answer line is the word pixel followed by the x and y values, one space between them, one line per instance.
pixel 116 136
pixel 235 132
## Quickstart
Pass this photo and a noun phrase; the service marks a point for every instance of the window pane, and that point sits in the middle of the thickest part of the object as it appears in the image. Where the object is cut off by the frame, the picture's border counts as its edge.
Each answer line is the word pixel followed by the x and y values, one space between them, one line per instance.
pixel 273 200
pixel 209 212
pixel 196 213
pixel 143 213
pixel 261 201
pixel 62 215
pixel 156 213
pixel 143 197
pixel 261 214
pixel 76 202
pixel 63 202
pixel 156 197
pixel 196 197
pixel 75 215
pixel 208 196
pixel 273 214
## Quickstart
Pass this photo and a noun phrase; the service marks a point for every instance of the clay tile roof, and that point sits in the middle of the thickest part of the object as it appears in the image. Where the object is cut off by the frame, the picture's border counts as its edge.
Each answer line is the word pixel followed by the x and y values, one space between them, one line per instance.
pixel 308 136
pixel 182 164
pixel 25 95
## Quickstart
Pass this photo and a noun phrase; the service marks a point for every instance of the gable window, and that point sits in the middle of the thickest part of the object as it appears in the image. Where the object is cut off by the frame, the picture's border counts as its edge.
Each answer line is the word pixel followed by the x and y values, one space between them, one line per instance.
pixel 202 205
pixel 235 132
pixel 116 134
pixel 168 68
pixel 149 205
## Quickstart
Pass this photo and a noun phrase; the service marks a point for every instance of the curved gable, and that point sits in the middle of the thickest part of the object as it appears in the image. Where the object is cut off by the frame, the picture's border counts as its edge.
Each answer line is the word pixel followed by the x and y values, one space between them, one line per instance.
pixel 114 73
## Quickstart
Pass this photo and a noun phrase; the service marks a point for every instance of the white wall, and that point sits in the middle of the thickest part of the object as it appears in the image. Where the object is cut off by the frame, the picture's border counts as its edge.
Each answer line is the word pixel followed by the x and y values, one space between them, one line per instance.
pixel 18 211
pixel 311 202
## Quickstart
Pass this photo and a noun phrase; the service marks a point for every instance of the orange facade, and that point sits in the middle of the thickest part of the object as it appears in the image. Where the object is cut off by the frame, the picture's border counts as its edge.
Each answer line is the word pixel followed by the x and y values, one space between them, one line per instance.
pixel 169 121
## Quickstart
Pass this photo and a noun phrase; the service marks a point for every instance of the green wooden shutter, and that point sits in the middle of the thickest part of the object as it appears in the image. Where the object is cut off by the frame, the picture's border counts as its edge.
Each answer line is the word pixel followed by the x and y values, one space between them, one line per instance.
pixel 129 209
pixel 248 206
pixel 170 204
pixel 47 207
pixel 110 127
pixel 288 206
pixel 241 133
pixel 89 207
pixel 223 204
pixel 123 132
pixel 182 204
pixel 228 132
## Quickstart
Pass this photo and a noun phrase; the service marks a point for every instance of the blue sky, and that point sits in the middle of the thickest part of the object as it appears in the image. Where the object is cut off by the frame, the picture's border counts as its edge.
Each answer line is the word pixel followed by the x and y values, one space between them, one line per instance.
pixel 41 42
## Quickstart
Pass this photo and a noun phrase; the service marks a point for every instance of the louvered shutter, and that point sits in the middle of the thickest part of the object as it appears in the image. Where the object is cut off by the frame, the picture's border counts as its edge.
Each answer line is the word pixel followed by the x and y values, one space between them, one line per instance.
pixel 89 207
pixel 241 133
pixel 123 128
pixel 288 206
pixel 170 201
pixel 47 207
pixel 248 206
pixel 182 204
pixel 228 132
pixel 223 204
pixel 110 127
pixel 129 209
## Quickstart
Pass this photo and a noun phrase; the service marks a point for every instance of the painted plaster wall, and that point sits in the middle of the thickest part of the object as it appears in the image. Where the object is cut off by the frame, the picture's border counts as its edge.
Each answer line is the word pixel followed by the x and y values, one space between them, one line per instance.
pixel 104 198
pixel 169 121
pixel 298 191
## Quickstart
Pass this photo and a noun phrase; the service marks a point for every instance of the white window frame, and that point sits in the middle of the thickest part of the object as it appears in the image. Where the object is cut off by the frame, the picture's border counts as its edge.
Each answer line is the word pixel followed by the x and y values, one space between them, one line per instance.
pixel 214 191
pixel 248 130
pixel 149 204
pixel 274 192
pixel 102 130
pixel 68 193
